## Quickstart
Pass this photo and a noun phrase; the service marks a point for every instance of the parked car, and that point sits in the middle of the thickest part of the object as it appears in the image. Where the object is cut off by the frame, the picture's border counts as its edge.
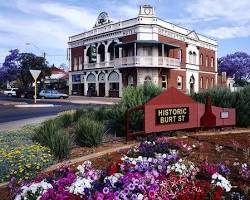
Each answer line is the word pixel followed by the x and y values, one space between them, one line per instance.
pixel 27 92
pixel 52 94
pixel 10 92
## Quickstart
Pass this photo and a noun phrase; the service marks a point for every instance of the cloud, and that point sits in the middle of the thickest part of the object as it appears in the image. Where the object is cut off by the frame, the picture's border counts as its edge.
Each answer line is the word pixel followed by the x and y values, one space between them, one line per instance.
pixel 216 9
pixel 79 17
pixel 229 32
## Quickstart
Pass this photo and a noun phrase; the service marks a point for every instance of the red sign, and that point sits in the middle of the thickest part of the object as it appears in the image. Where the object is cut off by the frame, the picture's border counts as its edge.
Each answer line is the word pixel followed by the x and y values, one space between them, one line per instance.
pixel 174 110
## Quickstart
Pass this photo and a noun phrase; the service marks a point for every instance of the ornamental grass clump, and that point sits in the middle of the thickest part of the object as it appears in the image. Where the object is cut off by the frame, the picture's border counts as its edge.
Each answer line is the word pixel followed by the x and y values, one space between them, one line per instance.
pixel 65 118
pixel 51 134
pixel 89 132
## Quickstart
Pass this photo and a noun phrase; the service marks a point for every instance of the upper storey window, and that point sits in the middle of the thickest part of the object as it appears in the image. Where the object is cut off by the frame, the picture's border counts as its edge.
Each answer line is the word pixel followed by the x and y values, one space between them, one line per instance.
pixel 180 54
pixel 201 59
pixel 101 52
pixel 206 61
pixel 192 57
pixel 212 62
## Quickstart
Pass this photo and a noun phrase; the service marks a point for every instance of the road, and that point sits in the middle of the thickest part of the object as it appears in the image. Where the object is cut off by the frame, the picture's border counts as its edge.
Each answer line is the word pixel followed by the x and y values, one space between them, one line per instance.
pixel 9 113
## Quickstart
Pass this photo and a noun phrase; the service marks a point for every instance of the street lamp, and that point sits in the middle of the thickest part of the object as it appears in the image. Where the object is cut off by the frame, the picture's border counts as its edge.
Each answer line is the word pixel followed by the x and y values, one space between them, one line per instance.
pixel 31 44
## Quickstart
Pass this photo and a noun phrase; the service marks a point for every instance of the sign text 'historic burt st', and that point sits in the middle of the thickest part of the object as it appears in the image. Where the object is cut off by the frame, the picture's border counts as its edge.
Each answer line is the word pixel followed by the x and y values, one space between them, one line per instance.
pixel 173 110
pixel 172 115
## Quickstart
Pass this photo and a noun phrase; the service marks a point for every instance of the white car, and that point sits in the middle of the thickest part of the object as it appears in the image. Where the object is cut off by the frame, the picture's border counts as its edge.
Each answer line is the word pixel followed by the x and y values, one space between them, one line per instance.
pixel 10 92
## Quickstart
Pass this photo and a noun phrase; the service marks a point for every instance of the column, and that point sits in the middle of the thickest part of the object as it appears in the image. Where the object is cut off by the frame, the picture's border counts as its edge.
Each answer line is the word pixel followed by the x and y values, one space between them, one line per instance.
pixel 120 84
pixel 97 84
pixel 106 85
pixel 107 57
pixel 85 85
pixel 70 84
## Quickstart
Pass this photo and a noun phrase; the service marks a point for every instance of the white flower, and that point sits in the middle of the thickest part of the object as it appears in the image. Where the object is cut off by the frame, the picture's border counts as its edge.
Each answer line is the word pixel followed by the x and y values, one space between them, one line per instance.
pixel 221 181
pixel 43 185
pixel 140 197
pixel 79 185
pixel 113 179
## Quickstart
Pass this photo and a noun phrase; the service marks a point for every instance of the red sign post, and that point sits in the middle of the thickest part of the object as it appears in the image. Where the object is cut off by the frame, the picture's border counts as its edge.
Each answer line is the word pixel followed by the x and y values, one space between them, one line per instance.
pixel 173 110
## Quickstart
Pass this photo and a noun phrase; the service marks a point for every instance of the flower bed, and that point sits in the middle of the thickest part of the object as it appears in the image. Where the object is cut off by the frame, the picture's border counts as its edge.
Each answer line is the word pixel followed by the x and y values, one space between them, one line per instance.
pixel 153 170
pixel 20 157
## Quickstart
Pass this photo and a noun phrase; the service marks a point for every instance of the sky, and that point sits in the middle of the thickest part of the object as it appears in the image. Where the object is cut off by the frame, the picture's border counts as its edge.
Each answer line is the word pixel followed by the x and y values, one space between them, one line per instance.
pixel 39 26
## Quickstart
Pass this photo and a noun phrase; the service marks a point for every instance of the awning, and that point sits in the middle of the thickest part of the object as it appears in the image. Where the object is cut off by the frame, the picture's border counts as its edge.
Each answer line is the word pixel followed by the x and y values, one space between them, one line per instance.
pixel 152 42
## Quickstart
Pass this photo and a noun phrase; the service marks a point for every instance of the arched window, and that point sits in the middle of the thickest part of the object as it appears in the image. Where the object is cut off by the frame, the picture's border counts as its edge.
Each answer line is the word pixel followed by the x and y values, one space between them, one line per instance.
pixel 194 58
pixel 113 84
pixel 212 62
pixel 101 52
pixel 206 61
pixel 101 77
pixel 201 82
pixel 130 80
pixel 179 82
pixel 91 78
pixel 207 82
pixel 201 59
pixel 190 57
pixel 212 82
pixel 111 50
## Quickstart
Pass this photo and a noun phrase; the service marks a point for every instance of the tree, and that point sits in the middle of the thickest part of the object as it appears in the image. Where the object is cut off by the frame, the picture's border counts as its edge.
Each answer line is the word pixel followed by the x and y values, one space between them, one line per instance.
pixel 30 61
pixel 236 65
pixel 11 67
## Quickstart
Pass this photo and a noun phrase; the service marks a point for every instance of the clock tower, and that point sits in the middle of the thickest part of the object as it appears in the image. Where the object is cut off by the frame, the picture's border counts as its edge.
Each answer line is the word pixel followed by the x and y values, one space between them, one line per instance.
pixel 147 10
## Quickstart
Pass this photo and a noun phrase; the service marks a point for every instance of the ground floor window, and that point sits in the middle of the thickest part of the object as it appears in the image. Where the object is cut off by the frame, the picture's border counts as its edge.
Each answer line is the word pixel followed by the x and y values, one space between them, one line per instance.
pixel 114 86
pixel 77 89
pixel 130 80
pixel 164 82
pixel 114 89
pixel 179 82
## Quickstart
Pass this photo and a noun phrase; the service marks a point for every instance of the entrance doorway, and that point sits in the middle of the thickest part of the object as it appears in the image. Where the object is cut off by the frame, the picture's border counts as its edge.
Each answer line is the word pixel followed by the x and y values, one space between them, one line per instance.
pixel 191 82
pixel 101 89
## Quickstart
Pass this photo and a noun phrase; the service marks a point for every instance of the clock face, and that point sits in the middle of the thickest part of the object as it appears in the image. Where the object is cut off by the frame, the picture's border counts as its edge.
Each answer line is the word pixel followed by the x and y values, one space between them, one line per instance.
pixel 102 18
pixel 147 11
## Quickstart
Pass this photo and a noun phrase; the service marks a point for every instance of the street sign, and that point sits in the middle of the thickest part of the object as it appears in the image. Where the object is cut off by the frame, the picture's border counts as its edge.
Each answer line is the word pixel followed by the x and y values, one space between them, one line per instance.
pixel 35 74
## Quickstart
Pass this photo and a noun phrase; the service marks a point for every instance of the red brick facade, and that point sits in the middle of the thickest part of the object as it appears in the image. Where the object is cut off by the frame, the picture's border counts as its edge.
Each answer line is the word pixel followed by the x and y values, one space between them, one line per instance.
pixel 129 72
pixel 174 53
pixel 129 38
pixel 209 55
pixel 206 81
pixel 172 79
pixel 76 53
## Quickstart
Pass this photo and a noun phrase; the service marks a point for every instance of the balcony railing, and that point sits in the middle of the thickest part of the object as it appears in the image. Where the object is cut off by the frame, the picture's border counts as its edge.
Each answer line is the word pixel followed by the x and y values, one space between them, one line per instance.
pixel 137 61
pixel 147 61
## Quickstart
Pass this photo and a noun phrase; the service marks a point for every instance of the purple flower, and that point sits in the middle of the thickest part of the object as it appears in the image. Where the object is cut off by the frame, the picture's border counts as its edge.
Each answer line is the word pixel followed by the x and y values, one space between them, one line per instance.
pixel 105 190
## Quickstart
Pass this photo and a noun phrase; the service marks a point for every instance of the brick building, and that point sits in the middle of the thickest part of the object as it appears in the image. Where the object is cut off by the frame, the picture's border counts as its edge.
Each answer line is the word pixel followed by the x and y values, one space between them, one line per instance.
pixel 146 48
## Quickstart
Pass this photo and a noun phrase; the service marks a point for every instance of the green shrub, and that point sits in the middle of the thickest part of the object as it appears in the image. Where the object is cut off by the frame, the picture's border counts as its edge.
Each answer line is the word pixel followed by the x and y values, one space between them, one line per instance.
pixel 89 132
pixel 132 96
pixel 51 135
pixel 78 114
pixel 225 98
pixel 65 118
